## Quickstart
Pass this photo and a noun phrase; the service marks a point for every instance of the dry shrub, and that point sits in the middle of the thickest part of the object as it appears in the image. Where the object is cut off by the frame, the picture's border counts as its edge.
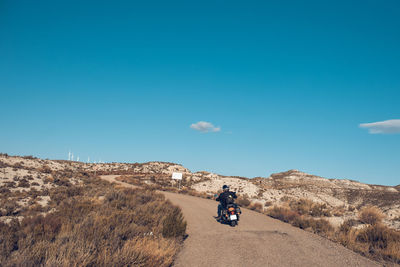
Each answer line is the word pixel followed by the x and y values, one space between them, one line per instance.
pixel 23 183
pixel 174 224
pixel 62 182
pixel 243 201
pixel 383 242
pixel 4 190
pixel 125 228
pixel 285 199
pixel 268 203
pixel 322 227
pixel 375 241
pixel 339 211
pixel 256 206
pixel 371 215
pixel 29 157
pixel 29 177
pixel 8 207
pixel 45 169
pixel 285 214
pixel 308 207
pixel 318 226
pixel 10 184
pixel 347 225
pixel 36 207
pixel 9 239
pixel 144 252
pixel 302 206
pixel 282 213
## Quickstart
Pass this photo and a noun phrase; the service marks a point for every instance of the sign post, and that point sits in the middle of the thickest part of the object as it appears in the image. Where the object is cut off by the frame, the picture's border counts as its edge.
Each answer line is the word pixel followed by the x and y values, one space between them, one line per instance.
pixel 177 176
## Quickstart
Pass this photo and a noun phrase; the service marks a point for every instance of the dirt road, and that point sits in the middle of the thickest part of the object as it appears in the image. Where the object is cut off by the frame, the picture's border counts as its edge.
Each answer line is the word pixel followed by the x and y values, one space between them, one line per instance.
pixel 257 241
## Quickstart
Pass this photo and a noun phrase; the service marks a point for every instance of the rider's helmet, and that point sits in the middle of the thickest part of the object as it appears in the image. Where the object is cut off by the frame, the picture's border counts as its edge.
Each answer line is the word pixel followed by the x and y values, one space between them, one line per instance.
pixel 225 187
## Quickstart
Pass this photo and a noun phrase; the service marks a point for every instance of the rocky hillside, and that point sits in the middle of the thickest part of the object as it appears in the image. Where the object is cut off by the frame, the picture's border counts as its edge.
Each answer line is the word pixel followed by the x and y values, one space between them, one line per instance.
pixel 344 197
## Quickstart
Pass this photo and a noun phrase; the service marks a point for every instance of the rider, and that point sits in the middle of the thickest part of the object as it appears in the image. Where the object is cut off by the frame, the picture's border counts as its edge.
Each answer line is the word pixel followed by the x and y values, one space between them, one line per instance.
pixel 223 197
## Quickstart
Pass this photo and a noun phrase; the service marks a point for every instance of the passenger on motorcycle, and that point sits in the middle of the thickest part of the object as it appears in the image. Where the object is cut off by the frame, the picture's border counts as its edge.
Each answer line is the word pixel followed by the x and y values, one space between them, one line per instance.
pixel 224 198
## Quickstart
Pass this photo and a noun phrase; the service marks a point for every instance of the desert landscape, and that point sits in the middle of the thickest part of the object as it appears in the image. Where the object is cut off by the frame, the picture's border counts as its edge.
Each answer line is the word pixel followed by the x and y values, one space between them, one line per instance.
pixel 35 191
pixel 57 213
pixel 121 122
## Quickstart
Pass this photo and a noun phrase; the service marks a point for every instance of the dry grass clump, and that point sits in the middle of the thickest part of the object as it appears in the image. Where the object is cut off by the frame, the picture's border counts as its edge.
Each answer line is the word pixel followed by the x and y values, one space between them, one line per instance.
pixel 256 206
pixel 8 207
pixel 286 214
pixel 309 207
pixel 375 241
pixel 95 225
pixel 282 213
pixel 371 215
pixel 23 183
pixel 243 201
pixel 173 224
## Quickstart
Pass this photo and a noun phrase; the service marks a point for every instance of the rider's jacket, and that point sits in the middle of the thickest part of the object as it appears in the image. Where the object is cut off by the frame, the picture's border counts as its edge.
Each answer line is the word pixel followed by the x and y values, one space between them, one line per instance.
pixel 223 197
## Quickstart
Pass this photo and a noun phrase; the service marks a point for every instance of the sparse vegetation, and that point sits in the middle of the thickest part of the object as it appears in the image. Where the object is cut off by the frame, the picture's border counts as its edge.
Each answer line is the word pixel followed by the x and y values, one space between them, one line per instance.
pixel 371 215
pixel 23 183
pixel 308 207
pixel 256 206
pixel 92 225
pixel 243 201
pixel 286 214
pixel 76 203
pixel 375 240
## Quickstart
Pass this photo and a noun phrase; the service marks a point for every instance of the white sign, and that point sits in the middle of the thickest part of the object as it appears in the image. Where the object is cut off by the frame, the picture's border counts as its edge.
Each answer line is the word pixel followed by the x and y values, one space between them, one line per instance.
pixel 177 175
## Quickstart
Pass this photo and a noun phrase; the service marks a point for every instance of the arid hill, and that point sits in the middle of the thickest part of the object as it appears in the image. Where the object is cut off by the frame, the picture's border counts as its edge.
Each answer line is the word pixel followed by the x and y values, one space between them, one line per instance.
pixel 344 197
pixel 344 211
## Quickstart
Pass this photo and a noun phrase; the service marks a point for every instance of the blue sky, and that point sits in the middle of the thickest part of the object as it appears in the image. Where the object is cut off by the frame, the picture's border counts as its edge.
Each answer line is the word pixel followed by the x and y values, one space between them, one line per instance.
pixel 287 83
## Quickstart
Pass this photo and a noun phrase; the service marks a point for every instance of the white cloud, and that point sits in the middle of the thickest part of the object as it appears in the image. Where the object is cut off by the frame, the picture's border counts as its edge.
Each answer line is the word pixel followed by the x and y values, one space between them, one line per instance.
pixel 382 127
pixel 205 127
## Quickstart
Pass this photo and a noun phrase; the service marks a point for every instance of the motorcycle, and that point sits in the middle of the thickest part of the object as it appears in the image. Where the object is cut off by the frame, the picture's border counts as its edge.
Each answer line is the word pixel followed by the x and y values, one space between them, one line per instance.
pixel 231 214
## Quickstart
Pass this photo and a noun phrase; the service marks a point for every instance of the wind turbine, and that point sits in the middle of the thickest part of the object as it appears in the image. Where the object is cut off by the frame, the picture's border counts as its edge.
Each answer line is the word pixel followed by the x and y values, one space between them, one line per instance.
pixel 72 157
pixel 69 155
pixel 77 159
